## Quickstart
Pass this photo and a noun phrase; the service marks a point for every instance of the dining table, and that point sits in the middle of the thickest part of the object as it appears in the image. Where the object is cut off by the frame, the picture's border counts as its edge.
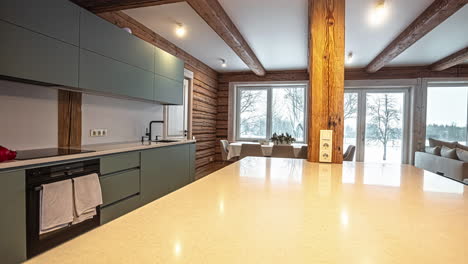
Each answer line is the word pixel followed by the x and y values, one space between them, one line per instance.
pixel 234 149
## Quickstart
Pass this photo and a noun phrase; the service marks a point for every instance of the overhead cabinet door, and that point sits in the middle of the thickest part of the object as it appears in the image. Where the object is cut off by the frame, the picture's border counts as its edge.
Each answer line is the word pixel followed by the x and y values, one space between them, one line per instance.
pixel 103 74
pixel 58 19
pixel 29 55
pixel 111 41
pixel 168 65
pixel 168 91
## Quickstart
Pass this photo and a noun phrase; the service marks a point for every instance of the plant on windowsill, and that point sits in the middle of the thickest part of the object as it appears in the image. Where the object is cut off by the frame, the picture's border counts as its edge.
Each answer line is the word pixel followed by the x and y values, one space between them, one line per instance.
pixel 282 139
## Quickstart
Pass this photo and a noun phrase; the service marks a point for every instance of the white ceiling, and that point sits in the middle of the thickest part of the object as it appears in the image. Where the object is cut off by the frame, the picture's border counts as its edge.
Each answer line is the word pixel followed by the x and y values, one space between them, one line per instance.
pixel 276 30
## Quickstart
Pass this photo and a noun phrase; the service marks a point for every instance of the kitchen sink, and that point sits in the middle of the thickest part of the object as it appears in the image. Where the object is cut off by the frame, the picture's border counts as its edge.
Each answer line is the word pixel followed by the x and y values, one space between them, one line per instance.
pixel 165 141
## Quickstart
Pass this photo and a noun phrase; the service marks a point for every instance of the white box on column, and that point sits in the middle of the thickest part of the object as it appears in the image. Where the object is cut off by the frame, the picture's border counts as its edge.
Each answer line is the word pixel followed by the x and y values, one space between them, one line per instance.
pixel 326 145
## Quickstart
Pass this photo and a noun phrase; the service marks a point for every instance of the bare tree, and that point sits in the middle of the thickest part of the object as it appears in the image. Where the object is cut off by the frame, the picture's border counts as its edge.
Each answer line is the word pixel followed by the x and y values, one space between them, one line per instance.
pixel 384 120
pixel 251 122
pixel 350 105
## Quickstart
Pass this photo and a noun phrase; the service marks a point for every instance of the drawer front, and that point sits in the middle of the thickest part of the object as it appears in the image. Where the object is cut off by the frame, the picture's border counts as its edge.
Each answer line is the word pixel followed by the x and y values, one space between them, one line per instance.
pixel 119 185
pixel 109 40
pixel 116 210
pixel 106 75
pixel 58 19
pixel 168 65
pixel 168 91
pixel 28 55
pixel 119 162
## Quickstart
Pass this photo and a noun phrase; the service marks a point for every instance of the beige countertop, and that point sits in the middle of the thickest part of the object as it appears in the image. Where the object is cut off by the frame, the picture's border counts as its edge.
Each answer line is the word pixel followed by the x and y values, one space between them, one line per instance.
pixel 267 210
pixel 99 150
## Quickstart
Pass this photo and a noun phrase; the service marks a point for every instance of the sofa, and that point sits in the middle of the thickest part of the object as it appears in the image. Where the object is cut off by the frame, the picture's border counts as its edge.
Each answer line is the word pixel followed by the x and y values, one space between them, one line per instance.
pixel 439 158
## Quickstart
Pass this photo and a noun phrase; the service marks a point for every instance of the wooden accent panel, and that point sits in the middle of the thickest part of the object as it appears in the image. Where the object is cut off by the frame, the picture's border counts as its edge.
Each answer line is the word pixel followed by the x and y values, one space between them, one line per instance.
pixel 433 16
pixel 69 119
pixel 215 16
pixel 326 69
pixel 205 87
pixel 116 5
pixel 458 57
pixel 406 73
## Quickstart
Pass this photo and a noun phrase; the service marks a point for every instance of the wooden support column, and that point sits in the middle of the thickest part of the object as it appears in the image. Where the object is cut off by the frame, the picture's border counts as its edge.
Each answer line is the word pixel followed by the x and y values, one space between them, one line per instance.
pixel 326 74
pixel 69 119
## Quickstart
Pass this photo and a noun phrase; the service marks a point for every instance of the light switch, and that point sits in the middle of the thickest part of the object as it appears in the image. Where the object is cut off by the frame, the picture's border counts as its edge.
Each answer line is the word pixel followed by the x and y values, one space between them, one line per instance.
pixel 326 145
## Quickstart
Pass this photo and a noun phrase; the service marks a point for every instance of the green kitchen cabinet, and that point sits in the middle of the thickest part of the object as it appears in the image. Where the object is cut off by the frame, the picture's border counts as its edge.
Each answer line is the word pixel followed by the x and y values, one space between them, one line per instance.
pixel 168 65
pixel 29 55
pixel 58 19
pixel 106 75
pixel 168 91
pixel 164 170
pixel 116 210
pixel 119 162
pixel 104 38
pixel 119 185
pixel 192 157
pixel 13 220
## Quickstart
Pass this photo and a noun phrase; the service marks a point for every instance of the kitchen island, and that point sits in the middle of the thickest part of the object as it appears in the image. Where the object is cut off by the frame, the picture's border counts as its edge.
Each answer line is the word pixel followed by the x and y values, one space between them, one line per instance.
pixel 267 210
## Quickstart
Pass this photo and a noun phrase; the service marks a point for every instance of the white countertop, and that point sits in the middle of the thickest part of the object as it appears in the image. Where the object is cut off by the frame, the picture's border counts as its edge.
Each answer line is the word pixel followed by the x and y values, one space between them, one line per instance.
pixel 272 210
pixel 100 149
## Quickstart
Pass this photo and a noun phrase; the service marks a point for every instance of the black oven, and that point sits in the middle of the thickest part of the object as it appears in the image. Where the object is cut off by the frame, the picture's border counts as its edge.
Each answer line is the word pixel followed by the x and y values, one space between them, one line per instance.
pixel 35 178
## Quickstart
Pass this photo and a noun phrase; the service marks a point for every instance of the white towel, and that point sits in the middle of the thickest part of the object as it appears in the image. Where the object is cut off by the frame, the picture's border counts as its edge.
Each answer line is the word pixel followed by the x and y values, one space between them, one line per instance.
pixel 56 206
pixel 87 196
pixel 84 216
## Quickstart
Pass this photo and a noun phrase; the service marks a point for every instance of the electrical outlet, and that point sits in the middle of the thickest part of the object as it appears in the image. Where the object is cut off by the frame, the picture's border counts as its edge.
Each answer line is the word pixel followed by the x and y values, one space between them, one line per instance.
pixel 98 132
pixel 326 137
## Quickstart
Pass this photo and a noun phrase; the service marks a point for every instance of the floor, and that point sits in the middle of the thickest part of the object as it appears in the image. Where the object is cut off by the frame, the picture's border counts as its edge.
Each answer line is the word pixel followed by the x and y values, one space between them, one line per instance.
pixel 210 168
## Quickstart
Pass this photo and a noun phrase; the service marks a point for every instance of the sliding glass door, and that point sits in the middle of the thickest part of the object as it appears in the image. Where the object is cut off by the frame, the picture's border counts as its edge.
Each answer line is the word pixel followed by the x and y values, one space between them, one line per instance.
pixel 376 123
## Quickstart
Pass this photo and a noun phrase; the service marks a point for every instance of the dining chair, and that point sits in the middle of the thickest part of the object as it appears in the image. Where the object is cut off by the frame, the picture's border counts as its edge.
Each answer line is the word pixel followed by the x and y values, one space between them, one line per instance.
pixel 253 150
pixel 283 151
pixel 349 153
pixel 224 144
pixel 302 153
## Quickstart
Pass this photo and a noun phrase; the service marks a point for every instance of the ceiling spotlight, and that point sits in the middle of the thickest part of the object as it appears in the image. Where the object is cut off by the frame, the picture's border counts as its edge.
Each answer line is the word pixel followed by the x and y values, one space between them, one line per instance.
pixel 223 63
pixel 128 30
pixel 378 13
pixel 180 30
pixel 349 57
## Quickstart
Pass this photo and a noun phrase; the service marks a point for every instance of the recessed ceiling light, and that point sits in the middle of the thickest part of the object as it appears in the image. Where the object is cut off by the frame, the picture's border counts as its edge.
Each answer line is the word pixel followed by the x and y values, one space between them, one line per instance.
pixel 223 63
pixel 378 14
pixel 180 30
pixel 349 57
pixel 128 30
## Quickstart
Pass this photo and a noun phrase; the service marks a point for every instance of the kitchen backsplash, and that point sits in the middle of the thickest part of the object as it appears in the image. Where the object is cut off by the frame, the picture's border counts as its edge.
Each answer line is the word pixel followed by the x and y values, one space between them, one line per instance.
pixel 125 120
pixel 28 117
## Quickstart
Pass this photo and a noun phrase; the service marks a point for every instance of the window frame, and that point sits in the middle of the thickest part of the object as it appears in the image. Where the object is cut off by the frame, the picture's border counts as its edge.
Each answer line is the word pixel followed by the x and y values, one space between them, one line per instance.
pixel 269 88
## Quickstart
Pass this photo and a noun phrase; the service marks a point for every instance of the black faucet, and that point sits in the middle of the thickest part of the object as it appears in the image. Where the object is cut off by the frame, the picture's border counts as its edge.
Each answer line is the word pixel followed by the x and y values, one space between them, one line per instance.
pixel 150 134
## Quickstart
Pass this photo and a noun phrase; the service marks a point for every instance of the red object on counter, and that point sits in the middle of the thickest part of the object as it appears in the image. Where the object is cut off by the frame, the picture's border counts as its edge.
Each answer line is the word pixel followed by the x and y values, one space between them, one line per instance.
pixel 6 154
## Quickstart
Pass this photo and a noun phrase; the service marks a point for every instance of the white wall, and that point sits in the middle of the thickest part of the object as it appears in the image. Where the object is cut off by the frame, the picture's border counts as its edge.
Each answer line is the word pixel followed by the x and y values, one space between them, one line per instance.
pixel 126 120
pixel 28 116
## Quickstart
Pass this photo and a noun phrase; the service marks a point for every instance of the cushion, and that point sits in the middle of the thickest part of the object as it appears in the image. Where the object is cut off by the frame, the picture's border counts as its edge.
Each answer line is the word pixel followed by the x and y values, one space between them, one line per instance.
pixel 436 142
pixel 448 153
pixel 460 146
pixel 433 150
pixel 462 154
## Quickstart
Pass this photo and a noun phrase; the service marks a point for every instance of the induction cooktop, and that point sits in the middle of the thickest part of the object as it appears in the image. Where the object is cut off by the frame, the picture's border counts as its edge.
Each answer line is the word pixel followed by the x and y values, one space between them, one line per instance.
pixel 48 152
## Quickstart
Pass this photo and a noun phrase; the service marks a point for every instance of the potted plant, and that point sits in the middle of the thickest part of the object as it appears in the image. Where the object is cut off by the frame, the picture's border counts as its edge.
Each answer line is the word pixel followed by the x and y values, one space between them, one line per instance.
pixel 282 139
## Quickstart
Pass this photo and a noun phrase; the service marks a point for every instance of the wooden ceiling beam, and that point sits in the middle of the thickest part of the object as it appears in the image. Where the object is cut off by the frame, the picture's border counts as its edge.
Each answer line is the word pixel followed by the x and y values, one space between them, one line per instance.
pixel 433 16
pixel 215 16
pixel 456 58
pixel 100 6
